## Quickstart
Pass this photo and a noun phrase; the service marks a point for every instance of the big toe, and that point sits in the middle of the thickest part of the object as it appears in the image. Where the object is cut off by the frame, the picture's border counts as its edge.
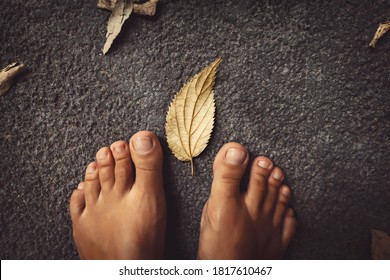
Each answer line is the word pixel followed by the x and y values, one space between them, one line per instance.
pixel 147 157
pixel 229 167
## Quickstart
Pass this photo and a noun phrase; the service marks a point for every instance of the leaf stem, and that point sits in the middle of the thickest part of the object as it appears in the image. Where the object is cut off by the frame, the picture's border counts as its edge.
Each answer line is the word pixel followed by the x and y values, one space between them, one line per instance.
pixel 192 167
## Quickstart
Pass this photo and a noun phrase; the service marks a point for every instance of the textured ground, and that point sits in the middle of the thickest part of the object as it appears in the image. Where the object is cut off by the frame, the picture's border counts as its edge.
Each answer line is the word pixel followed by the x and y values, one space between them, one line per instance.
pixel 297 83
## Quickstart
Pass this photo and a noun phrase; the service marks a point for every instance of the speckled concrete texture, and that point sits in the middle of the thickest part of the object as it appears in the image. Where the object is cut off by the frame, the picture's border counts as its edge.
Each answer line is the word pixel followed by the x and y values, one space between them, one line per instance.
pixel 297 83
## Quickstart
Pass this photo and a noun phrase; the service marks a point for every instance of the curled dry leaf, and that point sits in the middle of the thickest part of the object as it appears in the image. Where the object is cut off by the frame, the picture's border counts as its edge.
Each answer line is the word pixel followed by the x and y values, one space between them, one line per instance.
pixel 120 14
pixel 121 11
pixel 8 74
pixel 380 246
pixel 190 118
pixel 382 29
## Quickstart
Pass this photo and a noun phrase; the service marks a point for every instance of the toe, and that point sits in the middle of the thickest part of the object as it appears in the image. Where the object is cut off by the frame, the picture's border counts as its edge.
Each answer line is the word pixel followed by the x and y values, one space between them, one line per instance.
pixel 92 184
pixel 77 202
pixel 289 226
pixel 274 182
pixel 106 165
pixel 146 153
pixel 281 207
pixel 229 167
pixel 123 166
pixel 257 187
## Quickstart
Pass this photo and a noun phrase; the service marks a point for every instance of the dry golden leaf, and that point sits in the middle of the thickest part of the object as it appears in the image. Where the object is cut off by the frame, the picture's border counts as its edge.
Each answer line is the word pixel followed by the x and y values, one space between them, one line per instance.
pixel 121 10
pixel 8 74
pixel 382 29
pixel 190 118
pixel 380 246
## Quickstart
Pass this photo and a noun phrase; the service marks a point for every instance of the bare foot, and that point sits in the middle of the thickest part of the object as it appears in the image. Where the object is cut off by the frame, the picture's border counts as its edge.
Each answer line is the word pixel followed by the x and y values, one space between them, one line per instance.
pixel 256 224
pixel 117 214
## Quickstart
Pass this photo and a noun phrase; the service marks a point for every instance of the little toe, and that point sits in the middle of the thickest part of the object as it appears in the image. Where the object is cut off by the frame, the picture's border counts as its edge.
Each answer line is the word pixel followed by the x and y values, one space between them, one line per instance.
pixel 281 207
pixel 289 227
pixel 274 182
pixel 257 187
pixel 146 153
pixel 91 186
pixel 106 166
pixel 77 202
pixel 123 166
pixel 229 167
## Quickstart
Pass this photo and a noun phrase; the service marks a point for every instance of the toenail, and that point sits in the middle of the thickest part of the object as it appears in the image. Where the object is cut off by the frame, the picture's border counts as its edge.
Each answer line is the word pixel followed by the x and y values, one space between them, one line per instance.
pixel 102 155
pixel 91 168
pixel 263 164
pixel 143 144
pixel 286 192
pixel 277 175
pixel 80 186
pixel 119 148
pixel 235 156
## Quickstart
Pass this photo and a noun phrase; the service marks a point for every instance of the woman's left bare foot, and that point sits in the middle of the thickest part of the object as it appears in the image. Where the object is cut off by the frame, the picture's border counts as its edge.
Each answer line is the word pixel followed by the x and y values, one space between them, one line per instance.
pixel 119 214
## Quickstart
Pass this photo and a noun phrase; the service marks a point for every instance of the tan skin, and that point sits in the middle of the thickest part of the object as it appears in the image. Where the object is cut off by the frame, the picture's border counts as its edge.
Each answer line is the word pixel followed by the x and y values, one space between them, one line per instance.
pixel 120 215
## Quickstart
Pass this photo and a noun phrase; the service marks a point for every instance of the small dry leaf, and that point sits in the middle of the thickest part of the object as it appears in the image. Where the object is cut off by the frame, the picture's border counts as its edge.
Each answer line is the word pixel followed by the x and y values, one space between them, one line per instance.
pixel 380 246
pixel 382 29
pixel 8 74
pixel 190 118
pixel 107 4
pixel 121 11
pixel 148 8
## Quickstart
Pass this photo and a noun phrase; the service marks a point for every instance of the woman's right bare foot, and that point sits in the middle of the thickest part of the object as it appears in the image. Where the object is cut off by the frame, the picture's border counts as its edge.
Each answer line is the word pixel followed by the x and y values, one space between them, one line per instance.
pixel 256 224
